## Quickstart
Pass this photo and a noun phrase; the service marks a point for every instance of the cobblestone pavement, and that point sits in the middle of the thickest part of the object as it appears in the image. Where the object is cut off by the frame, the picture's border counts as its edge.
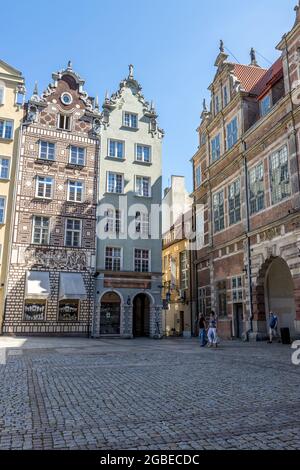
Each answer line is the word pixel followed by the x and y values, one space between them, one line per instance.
pixel 144 394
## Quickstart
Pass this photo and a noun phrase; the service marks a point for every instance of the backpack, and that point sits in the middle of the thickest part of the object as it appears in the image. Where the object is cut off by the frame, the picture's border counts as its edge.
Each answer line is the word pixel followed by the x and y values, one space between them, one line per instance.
pixel 273 322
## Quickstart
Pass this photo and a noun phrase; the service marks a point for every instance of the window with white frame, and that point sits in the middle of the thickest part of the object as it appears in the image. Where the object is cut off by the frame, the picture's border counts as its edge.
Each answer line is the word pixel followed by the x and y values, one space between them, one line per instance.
pixel 218 211
pixel 143 153
pixel 143 186
pixel 232 133
pixel 41 230
pixel 113 219
pixel 6 129
pixel 237 289
pixel 279 175
pixel 225 96
pixel 44 187
pixel 130 120
pixel 75 191
pixel 115 182
pixel 64 122
pixel 234 202
pixel 4 168
pixel 2 93
pixel 47 150
pixel 116 148
pixel 198 176
pixel 2 209
pixel 204 300
pixel 77 155
pixel 142 223
pixel 265 105
pixel 183 269
pixel 73 232
pixel 113 259
pixel 215 148
pixel 141 261
pixel 256 189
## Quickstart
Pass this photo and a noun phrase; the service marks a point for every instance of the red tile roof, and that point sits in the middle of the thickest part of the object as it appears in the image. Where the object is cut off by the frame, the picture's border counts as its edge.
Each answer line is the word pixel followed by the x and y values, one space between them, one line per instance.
pixel 271 76
pixel 248 75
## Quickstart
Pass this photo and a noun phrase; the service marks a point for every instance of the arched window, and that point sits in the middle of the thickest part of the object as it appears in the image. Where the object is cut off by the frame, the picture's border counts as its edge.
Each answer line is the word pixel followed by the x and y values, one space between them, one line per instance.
pixel 2 93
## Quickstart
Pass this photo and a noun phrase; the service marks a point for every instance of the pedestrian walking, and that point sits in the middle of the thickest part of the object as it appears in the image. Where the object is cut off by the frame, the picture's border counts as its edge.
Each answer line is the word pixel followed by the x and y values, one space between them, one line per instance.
pixel 273 325
pixel 202 331
pixel 212 331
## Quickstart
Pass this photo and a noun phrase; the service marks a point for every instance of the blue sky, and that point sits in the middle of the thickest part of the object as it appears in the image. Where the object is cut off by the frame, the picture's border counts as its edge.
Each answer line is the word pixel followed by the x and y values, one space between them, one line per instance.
pixel 172 44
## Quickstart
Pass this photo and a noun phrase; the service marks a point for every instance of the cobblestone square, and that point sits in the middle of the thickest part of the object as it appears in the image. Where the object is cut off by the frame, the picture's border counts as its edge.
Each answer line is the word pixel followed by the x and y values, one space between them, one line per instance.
pixel 145 394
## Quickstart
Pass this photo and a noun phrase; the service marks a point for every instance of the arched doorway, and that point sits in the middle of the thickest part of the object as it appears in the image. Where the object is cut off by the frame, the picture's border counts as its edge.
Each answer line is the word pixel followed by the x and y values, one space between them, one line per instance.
pixel 110 314
pixel 141 316
pixel 279 294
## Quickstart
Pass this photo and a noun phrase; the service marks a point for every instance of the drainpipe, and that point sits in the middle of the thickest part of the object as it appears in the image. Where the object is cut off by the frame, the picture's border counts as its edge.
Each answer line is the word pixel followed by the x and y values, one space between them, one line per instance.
pixel 249 270
pixel 292 106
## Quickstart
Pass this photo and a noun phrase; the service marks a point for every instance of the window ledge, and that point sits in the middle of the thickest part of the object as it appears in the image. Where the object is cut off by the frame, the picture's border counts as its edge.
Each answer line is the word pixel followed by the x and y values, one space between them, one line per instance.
pixel 142 197
pixel 107 193
pixel 142 163
pixel 116 159
pixel 5 180
pixel 128 128
pixel 40 198
pixel 75 165
pixel 3 139
pixel 42 161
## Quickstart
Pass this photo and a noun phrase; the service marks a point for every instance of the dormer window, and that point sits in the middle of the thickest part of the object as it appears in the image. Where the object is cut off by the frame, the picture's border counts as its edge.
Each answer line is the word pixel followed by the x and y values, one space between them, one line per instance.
pixel 265 105
pixel 198 177
pixel 130 120
pixel 64 122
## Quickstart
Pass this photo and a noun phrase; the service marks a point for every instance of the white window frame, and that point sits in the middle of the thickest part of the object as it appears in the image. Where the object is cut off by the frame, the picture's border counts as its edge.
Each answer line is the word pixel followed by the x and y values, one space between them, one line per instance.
pixel 77 147
pixel 115 182
pixel 33 229
pixel 217 194
pixel 237 289
pixel 214 155
pixel 143 220
pixel 114 257
pixel 2 157
pixel 129 126
pixel 198 176
pixel 251 171
pixel 261 108
pixel 236 207
pixel 2 95
pixel 116 142
pixel 142 186
pixel 40 151
pixel 2 222
pixel 5 121
pixel 45 186
pixel 287 182
pixel 142 160
pixel 76 190
pixel 231 144
pixel 73 231
pixel 114 218
pixel 141 259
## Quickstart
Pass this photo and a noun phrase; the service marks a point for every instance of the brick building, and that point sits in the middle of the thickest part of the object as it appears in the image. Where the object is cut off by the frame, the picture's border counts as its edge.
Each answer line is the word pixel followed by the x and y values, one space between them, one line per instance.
pixel 246 193
pixel 50 283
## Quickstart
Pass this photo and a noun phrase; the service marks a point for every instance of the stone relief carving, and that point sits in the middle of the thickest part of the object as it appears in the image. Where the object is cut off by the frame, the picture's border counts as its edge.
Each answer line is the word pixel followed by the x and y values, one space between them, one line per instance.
pixel 57 259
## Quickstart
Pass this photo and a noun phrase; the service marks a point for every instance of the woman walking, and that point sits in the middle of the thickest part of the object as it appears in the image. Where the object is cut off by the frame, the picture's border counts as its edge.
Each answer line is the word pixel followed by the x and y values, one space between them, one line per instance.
pixel 212 331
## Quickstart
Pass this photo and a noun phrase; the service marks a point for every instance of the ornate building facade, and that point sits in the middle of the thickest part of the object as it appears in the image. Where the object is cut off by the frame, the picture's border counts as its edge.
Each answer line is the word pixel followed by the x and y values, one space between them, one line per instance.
pixel 128 284
pixel 246 194
pixel 12 92
pixel 51 285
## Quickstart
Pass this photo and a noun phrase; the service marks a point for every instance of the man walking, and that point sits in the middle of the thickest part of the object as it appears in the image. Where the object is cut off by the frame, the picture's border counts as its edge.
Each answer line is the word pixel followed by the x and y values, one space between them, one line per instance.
pixel 273 325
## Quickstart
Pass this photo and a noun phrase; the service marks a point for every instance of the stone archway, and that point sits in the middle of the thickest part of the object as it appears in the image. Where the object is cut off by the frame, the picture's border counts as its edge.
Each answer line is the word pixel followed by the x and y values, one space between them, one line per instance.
pixel 141 316
pixel 274 291
pixel 110 314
